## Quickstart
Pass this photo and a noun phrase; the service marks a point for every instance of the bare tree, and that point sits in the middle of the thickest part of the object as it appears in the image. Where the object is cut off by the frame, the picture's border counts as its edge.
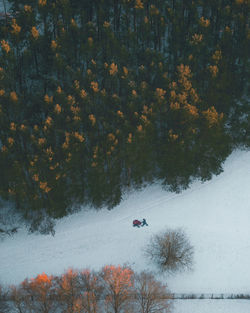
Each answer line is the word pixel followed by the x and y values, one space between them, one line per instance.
pixel 5 12
pixel 4 307
pixel 151 296
pixel 69 292
pixel 171 251
pixel 118 283
pixel 10 219
pixel 21 299
pixel 91 291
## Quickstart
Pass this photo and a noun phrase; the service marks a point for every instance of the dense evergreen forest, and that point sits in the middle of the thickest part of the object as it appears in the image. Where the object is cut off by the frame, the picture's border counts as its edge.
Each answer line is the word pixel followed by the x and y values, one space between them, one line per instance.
pixel 96 96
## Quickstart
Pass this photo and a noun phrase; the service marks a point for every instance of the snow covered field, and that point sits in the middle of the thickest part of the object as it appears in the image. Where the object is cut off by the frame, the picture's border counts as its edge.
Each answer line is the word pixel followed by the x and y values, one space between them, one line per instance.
pixel 215 215
pixel 211 306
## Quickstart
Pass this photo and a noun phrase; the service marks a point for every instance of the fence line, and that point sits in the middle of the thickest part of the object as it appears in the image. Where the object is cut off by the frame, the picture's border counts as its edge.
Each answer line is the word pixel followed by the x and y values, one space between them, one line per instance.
pixel 188 296
pixel 171 296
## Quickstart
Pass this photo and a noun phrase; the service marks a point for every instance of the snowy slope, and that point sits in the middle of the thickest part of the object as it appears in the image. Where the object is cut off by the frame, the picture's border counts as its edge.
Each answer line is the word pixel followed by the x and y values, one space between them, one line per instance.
pixel 215 215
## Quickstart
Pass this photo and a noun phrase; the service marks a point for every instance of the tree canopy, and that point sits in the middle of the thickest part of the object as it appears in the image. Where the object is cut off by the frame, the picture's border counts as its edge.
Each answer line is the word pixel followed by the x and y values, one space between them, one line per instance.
pixel 99 95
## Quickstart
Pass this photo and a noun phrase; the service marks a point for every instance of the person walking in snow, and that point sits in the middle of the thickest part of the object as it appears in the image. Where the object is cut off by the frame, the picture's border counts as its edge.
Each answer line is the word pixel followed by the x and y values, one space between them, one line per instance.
pixel 144 222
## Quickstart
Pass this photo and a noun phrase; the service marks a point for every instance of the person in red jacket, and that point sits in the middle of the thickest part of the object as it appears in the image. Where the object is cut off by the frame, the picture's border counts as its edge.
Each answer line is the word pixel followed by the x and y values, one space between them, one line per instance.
pixel 136 223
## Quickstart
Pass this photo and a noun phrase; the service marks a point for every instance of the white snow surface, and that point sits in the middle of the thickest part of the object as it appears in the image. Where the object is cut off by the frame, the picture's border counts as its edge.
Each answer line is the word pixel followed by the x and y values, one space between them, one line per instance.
pixel 215 215
pixel 210 306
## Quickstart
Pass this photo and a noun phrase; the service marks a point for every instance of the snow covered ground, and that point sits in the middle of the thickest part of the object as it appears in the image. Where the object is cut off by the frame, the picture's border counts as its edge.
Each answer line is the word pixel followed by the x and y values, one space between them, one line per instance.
pixel 211 306
pixel 215 216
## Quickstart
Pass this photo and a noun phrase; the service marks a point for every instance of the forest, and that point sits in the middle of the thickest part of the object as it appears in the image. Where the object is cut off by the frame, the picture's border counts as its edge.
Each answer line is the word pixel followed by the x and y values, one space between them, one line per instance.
pixel 100 96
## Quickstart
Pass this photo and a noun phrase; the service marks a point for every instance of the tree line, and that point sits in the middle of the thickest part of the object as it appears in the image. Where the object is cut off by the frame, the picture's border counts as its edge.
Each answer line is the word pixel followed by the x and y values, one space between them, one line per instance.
pixel 96 96
pixel 114 289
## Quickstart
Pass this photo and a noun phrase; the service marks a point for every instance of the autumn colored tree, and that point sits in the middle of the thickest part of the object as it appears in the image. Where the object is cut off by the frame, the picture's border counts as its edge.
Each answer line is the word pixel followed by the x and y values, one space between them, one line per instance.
pixel 112 289
pixel 69 291
pixel 35 295
pixel 118 283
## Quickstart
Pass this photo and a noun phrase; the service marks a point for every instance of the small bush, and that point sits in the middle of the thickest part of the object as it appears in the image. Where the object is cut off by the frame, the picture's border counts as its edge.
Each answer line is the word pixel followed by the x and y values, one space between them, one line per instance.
pixel 42 223
pixel 10 219
pixel 171 251
pixel 4 308
pixel 151 295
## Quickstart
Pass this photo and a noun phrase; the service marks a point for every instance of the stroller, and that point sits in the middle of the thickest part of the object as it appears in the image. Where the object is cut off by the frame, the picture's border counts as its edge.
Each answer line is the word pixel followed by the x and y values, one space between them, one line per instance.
pixel 137 223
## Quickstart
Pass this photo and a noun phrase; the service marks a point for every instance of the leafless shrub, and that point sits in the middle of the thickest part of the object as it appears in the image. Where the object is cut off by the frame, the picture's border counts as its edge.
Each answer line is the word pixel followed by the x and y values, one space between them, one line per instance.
pixel 4 307
pixel 10 220
pixel 20 299
pixel 91 291
pixel 42 224
pixel 151 296
pixel 171 251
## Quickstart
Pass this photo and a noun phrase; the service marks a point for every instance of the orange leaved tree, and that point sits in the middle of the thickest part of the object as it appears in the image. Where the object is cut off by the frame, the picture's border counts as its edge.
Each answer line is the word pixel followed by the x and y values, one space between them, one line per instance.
pixel 35 294
pixel 69 291
pixel 118 283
